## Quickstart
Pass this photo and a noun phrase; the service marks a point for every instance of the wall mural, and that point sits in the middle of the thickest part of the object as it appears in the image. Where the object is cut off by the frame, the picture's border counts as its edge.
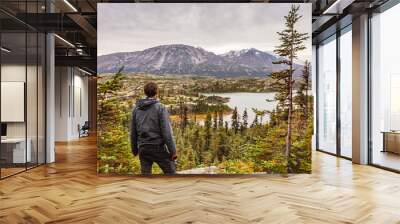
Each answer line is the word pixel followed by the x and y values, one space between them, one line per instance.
pixel 204 88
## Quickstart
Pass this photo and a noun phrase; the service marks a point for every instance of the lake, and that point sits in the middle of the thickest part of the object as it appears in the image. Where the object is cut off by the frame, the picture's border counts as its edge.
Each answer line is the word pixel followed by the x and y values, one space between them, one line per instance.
pixel 243 100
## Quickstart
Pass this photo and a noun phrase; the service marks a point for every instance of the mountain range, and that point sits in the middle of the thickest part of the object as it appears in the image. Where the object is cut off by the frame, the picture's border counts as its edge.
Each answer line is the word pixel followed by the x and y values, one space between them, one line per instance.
pixel 185 59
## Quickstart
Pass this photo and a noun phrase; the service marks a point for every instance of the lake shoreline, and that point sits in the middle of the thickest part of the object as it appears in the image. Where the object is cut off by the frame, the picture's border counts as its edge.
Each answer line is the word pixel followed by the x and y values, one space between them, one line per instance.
pixel 247 101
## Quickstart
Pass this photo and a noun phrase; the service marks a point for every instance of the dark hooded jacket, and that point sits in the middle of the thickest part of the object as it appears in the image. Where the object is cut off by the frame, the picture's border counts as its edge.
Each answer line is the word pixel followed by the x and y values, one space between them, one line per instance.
pixel 151 126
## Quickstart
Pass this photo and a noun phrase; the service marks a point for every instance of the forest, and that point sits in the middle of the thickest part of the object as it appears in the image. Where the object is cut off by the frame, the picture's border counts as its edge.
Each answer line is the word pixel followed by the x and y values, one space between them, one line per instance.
pixel 203 137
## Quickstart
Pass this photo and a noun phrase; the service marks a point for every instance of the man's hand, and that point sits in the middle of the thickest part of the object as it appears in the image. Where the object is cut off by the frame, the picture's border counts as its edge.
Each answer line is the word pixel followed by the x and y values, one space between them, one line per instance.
pixel 174 157
pixel 135 152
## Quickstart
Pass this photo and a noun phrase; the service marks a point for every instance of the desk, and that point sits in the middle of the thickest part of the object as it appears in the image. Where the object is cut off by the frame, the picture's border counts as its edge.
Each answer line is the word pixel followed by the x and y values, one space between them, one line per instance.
pixel 391 141
pixel 13 150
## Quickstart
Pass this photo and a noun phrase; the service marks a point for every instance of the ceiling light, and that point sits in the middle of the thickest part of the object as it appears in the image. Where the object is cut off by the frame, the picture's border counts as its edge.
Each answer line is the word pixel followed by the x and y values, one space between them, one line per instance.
pixel 5 50
pixel 70 5
pixel 64 40
pixel 337 7
pixel 79 51
pixel 86 72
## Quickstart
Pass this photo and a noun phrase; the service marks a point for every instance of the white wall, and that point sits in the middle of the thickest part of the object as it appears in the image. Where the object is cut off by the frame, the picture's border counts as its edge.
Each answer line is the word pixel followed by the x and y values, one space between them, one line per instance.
pixel 62 82
pixel 16 73
pixel 80 110
pixel 314 93
pixel 71 102
pixel 12 73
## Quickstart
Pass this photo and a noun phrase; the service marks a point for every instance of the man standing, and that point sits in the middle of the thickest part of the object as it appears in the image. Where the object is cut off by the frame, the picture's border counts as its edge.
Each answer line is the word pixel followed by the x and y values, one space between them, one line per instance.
pixel 151 133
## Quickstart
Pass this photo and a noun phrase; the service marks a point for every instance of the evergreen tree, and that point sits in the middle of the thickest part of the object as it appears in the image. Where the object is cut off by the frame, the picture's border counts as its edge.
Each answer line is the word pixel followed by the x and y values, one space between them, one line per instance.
pixel 304 86
pixel 114 150
pixel 244 119
pixel 215 120
pixel 180 102
pixel 260 114
pixel 221 118
pixel 273 119
pixel 191 158
pixel 255 121
pixel 207 132
pixel 185 119
pixel 235 120
pixel 291 43
pixel 197 145
pixel 221 148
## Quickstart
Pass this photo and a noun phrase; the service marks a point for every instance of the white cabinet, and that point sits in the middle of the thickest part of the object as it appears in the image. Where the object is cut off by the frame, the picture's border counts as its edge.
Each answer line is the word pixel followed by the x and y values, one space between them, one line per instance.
pixel 17 145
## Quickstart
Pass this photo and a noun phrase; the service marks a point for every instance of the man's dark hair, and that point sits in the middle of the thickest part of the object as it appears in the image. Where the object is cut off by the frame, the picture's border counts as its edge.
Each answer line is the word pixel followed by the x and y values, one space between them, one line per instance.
pixel 150 89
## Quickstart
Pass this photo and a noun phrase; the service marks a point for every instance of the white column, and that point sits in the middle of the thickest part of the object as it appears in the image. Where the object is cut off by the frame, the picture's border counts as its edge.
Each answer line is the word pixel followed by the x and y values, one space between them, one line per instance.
pixel 360 90
pixel 50 98
pixel 314 93
pixel 63 101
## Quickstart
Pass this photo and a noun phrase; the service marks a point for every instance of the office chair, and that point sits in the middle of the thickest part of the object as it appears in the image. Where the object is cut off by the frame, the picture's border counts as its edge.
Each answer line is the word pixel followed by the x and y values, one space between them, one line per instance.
pixel 84 130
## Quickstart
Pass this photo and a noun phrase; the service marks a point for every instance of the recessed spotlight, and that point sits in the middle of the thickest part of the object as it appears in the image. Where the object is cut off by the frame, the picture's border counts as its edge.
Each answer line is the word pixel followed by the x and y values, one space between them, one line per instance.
pixel 64 40
pixel 85 72
pixel 338 6
pixel 5 50
pixel 70 5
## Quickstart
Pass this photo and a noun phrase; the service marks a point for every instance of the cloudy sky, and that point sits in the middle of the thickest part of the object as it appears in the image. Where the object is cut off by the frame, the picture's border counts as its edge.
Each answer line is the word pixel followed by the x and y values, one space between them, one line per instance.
pixel 124 27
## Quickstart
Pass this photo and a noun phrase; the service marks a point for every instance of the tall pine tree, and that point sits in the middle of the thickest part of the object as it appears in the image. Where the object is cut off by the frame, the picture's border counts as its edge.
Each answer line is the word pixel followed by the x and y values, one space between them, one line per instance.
pixel 291 43
pixel 255 121
pixel 244 123
pixel 220 118
pixel 215 120
pixel 185 119
pixel 207 132
pixel 244 118
pixel 235 120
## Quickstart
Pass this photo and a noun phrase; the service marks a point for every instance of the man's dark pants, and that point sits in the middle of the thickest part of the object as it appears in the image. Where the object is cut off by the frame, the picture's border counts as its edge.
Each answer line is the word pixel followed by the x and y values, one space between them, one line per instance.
pixel 149 154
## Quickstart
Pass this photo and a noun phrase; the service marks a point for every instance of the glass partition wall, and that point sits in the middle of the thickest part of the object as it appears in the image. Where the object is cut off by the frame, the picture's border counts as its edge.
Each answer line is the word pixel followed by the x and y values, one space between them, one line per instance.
pixel 385 89
pixel 334 93
pixel 22 77
pixel 345 61
pixel 13 84
pixel 327 95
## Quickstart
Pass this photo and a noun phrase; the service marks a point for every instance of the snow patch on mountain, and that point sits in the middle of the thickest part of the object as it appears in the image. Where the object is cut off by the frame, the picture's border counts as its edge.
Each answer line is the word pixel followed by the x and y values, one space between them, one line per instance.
pixel 185 59
pixel 160 61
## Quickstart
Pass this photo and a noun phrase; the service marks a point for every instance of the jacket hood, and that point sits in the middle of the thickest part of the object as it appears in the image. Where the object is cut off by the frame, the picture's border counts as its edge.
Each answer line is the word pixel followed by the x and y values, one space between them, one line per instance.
pixel 142 104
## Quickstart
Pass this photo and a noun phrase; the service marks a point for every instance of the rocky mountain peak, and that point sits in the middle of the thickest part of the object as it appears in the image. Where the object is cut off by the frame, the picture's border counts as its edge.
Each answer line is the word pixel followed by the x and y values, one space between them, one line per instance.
pixel 186 59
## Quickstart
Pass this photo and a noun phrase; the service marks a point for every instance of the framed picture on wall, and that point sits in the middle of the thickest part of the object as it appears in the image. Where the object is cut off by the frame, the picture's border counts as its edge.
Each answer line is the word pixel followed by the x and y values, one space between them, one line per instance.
pixel 204 88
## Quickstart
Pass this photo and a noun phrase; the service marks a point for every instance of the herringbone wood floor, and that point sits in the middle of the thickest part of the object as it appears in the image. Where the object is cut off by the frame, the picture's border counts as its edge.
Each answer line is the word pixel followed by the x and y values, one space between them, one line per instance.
pixel 70 191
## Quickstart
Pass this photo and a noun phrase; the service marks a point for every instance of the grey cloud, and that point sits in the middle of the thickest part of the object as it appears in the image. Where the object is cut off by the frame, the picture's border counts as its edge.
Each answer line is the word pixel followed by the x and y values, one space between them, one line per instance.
pixel 215 27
